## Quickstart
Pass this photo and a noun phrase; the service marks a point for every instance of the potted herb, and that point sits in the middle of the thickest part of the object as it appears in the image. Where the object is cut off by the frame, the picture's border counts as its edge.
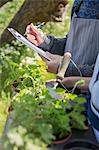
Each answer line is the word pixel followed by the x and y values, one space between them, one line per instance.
pixel 40 111
pixel 64 115
pixel 35 110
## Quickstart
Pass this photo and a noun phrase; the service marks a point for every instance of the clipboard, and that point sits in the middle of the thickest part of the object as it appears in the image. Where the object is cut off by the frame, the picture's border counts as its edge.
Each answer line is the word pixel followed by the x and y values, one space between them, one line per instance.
pixel 25 41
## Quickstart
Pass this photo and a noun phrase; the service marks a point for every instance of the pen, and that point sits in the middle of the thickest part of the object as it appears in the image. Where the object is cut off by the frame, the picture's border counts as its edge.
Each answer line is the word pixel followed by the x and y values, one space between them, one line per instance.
pixel 38 26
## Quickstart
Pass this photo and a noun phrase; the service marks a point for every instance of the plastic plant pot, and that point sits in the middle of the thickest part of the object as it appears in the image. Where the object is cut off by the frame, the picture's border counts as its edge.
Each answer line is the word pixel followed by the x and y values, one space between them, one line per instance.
pixel 62 141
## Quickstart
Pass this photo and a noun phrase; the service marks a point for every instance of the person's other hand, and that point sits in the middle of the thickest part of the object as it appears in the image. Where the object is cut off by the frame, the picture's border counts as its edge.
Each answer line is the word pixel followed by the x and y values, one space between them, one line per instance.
pixel 70 81
pixel 54 63
pixel 34 35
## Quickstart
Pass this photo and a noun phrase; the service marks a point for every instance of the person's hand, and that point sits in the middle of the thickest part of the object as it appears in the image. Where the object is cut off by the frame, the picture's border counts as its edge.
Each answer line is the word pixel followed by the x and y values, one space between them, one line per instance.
pixel 34 35
pixel 70 81
pixel 54 63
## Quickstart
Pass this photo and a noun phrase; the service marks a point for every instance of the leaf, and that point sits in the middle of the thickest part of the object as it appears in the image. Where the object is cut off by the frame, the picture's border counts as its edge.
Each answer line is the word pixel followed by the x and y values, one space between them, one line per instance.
pixel 60 90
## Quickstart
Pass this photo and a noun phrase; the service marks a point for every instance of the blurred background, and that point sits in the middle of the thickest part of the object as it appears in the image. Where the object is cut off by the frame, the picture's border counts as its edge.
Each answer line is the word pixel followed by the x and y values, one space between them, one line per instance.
pixel 19 13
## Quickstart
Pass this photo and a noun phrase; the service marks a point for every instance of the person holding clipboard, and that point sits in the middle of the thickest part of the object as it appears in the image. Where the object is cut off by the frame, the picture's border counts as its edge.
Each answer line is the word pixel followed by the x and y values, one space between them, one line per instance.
pixel 82 40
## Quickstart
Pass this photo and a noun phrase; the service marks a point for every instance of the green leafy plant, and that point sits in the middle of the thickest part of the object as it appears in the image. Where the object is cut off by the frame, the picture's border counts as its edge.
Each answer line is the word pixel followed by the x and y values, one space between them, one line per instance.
pixel 4 103
pixel 36 111
pixel 10 58
pixel 34 108
pixel 20 139
pixel 15 59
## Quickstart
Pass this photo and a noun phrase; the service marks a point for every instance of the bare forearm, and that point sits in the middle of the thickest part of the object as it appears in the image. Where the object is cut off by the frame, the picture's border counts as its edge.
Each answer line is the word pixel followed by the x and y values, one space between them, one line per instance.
pixel 69 82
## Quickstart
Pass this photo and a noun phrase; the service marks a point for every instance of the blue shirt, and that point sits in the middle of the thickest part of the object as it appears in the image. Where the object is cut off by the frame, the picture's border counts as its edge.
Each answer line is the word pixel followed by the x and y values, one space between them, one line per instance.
pixel 89 9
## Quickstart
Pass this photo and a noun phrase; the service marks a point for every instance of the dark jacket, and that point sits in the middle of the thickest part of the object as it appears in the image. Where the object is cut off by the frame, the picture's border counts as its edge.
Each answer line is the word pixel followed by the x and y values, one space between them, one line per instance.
pixel 84 9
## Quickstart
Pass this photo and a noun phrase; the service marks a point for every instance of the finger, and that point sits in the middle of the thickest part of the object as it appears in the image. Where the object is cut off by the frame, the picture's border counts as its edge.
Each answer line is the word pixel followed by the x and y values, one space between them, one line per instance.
pixel 34 30
pixel 49 69
pixel 31 36
pixel 31 29
pixel 58 80
pixel 50 55
pixel 35 43
pixel 52 67
pixel 28 29
pixel 32 39
pixel 37 33
pixel 34 27
pixel 51 81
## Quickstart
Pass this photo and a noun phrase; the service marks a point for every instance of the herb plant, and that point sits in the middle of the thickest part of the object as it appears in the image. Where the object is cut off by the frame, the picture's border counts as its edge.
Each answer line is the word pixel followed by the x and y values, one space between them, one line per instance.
pixel 34 110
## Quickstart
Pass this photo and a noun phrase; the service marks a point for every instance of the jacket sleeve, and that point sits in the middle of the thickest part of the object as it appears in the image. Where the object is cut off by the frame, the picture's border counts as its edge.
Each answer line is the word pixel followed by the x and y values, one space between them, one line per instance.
pixel 86 70
pixel 54 45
